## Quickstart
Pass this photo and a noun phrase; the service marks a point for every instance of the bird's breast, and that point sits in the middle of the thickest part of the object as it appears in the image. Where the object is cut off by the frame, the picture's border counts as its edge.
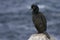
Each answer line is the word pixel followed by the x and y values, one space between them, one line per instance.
pixel 36 19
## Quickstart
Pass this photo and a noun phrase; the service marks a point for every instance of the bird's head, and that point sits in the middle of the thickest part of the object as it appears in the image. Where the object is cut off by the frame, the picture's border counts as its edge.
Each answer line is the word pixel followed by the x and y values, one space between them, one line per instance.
pixel 34 7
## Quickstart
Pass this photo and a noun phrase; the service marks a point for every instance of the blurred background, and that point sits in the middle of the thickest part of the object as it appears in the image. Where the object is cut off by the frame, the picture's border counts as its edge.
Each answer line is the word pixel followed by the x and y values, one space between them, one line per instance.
pixel 16 18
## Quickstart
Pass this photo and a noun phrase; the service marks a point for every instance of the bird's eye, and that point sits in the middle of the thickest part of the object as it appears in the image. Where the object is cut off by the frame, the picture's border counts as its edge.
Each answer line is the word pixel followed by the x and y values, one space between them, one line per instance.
pixel 33 7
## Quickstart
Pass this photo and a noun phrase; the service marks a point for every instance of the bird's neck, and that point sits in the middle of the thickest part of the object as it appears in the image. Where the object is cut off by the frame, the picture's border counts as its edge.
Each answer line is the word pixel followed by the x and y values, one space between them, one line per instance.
pixel 36 12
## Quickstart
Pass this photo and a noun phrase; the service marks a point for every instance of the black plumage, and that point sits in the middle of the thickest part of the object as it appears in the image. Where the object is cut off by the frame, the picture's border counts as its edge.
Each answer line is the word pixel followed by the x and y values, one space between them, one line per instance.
pixel 39 20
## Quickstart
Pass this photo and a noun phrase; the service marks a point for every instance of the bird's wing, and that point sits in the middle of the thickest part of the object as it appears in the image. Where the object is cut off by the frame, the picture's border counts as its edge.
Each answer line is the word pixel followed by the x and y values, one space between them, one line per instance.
pixel 43 19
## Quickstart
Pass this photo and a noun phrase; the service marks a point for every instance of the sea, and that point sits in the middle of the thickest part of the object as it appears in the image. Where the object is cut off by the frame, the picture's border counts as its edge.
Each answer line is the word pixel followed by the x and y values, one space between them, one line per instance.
pixel 16 18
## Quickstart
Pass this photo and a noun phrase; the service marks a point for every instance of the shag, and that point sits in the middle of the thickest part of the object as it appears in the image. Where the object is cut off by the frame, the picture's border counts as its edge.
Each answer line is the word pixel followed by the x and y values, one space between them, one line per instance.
pixel 39 20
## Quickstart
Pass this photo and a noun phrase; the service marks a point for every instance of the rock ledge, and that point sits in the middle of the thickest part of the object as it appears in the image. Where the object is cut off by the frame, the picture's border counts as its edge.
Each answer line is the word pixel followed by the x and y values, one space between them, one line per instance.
pixel 40 37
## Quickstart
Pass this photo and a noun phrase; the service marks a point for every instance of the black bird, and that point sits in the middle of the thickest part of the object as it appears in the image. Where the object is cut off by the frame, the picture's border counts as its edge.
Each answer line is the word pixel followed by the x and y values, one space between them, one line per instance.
pixel 39 20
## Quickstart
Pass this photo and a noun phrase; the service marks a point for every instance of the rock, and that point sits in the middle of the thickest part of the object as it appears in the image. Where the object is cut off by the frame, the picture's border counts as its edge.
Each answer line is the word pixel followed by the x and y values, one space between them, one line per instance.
pixel 40 37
